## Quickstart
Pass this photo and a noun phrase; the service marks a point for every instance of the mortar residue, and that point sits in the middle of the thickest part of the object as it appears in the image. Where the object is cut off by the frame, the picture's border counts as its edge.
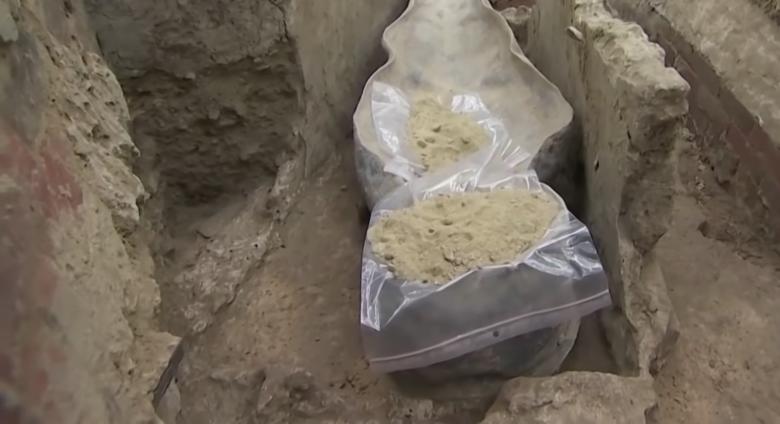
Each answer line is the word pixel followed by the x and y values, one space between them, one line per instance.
pixel 440 238
pixel 441 137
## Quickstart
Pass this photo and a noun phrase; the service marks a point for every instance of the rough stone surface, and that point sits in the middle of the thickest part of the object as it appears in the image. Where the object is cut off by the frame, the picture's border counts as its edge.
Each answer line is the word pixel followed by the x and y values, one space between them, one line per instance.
pixel 771 8
pixel 738 41
pixel 574 398
pixel 504 4
pixel 211 85
pixel 241 86
pixel 715 372
pixel 79 298
pixel 233 104
pixel 726 52
pixel 632 112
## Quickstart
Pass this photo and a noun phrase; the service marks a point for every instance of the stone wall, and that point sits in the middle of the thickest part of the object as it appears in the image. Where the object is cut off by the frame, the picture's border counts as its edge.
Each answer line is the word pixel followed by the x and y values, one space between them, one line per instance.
pixel 771 8
pixel 78 339
pixel 727 51
pixel 632 110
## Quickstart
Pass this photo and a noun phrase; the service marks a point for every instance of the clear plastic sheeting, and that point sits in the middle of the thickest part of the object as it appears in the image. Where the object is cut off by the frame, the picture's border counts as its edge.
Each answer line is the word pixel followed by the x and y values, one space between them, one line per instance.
pixel 391 109
pixel 466 47
pixel 410 324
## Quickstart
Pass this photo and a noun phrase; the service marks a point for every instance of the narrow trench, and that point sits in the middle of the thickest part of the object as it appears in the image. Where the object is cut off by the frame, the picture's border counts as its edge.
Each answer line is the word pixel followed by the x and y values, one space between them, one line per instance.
pixel 252 218
pixel 287 343
pixel 270 322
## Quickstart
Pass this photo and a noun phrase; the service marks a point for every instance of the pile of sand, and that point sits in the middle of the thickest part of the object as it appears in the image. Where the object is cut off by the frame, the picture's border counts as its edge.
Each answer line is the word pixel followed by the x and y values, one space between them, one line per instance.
pixel 441 137
pixel 440 238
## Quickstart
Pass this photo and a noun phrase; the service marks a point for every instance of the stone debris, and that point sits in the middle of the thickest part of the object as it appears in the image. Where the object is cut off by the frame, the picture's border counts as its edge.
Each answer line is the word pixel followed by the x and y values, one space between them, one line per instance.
pixel 574 398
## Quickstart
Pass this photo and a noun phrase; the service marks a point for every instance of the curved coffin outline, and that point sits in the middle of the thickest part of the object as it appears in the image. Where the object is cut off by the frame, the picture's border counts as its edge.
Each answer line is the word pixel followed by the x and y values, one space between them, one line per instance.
pixel 438 46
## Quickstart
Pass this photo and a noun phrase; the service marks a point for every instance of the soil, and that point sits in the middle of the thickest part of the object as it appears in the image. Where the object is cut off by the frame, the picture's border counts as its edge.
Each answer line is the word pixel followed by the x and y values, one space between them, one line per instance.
pixel 288 348
pixel 723 282
pixel 503 4
pixel 441 137
pixel 440 238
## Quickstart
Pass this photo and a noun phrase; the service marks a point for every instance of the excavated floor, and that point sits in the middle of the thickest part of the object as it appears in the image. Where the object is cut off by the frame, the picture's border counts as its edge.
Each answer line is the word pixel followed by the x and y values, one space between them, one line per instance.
pixel 724 284
pixel 288 348
pixel 292 333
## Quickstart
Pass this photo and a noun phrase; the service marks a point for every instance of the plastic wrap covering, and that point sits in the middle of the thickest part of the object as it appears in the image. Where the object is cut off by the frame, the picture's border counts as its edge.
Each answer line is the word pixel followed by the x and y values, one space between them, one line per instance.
pixel 462 46
pixel 411 324
pixel 391 110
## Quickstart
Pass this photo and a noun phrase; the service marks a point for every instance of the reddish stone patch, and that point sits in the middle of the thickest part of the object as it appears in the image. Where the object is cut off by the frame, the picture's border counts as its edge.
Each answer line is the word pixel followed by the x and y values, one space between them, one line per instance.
pixel 53 186
pixel 36 189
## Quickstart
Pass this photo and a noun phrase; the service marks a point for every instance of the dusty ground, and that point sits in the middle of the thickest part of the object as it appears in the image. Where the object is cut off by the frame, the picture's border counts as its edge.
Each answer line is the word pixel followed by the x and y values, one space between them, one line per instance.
pixel 723 282
pixel 293 331
pixel 288 349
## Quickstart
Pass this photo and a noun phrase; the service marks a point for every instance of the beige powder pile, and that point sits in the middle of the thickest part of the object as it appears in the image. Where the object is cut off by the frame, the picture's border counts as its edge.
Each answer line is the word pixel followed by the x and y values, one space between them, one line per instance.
pixel 440 238
pixel 441 137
